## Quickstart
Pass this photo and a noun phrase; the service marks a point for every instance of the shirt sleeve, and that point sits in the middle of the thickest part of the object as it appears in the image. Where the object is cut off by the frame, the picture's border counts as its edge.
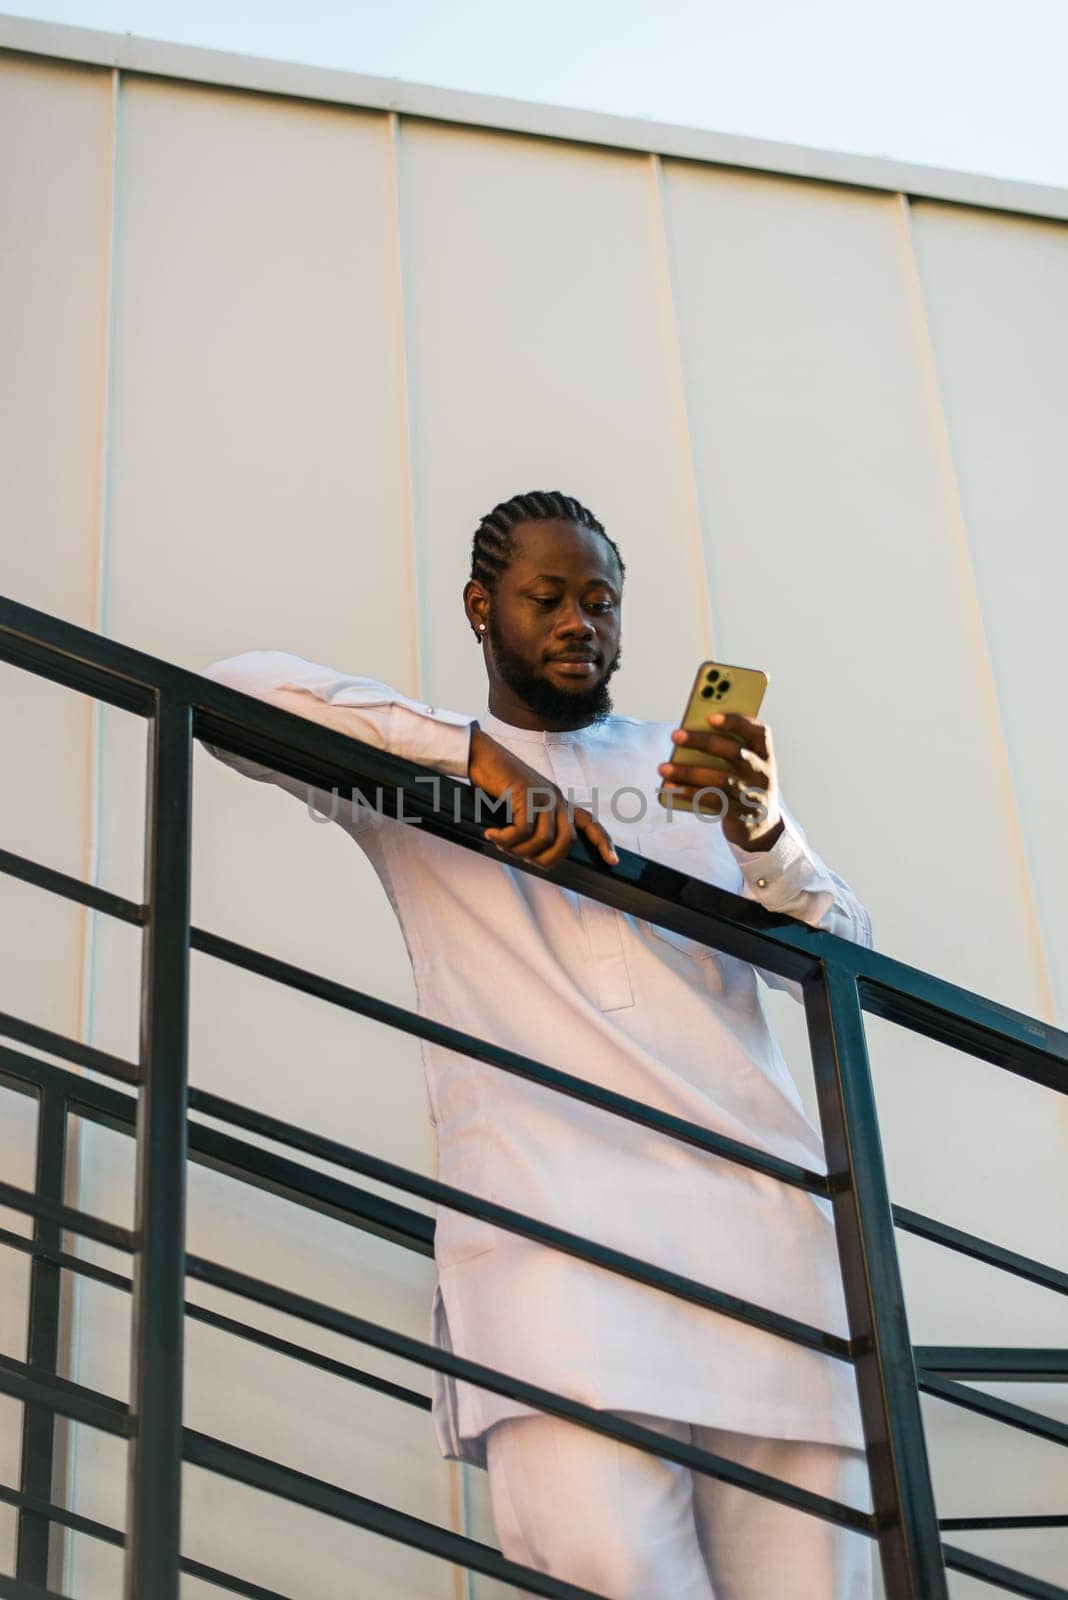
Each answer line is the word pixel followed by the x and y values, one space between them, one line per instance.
pixel 363 708
pixel 791 878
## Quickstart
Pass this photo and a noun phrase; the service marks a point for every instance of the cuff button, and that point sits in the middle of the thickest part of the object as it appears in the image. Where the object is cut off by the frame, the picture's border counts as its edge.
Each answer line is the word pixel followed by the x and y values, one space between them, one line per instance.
pixel 762 883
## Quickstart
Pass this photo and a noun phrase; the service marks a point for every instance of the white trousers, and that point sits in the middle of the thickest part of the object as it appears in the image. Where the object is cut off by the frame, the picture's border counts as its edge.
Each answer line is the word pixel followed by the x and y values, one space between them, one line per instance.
pixel 630 1526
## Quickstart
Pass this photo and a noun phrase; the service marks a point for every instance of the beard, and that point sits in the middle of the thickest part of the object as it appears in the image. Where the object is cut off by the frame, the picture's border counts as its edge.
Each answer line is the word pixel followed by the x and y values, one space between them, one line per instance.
pixel 543 698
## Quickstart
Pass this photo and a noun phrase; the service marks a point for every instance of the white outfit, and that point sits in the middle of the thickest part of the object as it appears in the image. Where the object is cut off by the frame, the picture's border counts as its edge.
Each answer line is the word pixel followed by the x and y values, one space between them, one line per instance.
pixel 631 1526
pixel 533 966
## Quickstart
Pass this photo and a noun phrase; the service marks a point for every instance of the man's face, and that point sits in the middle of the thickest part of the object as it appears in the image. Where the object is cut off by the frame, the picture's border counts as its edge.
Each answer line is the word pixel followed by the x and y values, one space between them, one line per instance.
pixel 554 621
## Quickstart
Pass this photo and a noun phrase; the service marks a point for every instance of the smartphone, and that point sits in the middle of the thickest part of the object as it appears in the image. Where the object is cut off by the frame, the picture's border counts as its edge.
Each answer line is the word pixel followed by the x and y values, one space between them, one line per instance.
pixel 715 688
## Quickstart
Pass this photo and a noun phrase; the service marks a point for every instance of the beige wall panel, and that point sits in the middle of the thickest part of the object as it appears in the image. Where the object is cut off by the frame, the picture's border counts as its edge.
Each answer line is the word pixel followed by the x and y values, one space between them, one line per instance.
pixel 258 467
pixel 540 359
pixel 55 178
pixel 55 175
pixel 258 490
pixel 996 295
pixel 832 560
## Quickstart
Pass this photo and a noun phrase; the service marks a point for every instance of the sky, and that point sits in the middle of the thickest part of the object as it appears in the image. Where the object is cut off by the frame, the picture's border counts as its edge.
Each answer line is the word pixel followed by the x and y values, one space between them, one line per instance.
pixel 974 85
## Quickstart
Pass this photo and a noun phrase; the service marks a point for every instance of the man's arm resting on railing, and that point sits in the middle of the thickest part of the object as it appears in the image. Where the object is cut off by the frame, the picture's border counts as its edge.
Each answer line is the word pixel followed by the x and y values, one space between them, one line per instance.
pixel 363 708
pixel 448 741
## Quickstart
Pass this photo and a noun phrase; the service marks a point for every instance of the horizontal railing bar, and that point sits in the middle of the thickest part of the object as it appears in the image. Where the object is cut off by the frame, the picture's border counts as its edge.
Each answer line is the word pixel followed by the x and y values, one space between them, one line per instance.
pixel 299 1488
pixel 327 758
pixel 573 1244
pixel 61 883
pixel 29 1075
pixel 78 659
pixel 114 1536
pixel 227 1580
pixel 969 1244
pixel 313 1190
pixel 964 1020
pixel 29 1384
pixel 510 1061
pixel 66 1217
pixel 209 1147
pixel 988 1405
pixel 994 1363
pixel 1005 1524
pixel 216 1319
pixel 59 1514
pixel 428 1355
pixel 1000 1577
pixel 19 1589
pixel 85 1055
pixel 63 1258
pixel 311 1358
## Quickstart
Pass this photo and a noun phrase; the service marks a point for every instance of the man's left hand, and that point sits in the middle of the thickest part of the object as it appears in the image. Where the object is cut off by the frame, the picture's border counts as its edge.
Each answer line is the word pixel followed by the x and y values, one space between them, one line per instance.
pixel 747 785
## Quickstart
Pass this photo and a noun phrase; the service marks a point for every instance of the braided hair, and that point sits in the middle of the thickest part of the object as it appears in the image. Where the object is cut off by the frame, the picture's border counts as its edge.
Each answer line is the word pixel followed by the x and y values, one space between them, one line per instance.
pixel 493 545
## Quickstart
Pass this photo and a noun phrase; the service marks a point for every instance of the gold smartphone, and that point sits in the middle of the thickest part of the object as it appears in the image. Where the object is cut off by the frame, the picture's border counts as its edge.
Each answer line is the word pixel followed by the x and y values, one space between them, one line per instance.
pixel 715 688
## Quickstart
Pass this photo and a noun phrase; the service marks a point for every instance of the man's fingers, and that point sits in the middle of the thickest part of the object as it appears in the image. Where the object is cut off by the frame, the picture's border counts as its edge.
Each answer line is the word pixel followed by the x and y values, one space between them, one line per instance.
pixel 690 777
pixel 546 837
pixel 749 729
pixel 527 838
pixel 712 744
pixel 592 830
pixel 560 845
pixel 534 829
pixel 714 798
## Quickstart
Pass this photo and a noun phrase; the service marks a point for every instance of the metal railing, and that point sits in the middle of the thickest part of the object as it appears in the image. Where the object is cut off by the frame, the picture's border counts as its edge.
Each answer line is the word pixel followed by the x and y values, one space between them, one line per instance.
pixel 840 982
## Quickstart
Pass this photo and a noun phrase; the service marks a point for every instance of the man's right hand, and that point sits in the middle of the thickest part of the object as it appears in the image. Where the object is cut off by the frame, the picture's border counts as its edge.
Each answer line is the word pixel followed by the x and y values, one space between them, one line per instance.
pixel 541 831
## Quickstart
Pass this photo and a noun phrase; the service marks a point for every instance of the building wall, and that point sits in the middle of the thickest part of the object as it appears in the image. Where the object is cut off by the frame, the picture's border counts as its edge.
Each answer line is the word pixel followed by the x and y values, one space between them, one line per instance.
pixel 264 362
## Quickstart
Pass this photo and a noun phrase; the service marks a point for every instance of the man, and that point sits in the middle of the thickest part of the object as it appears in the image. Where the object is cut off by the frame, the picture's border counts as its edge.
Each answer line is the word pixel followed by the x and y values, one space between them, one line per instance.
pixel 517 958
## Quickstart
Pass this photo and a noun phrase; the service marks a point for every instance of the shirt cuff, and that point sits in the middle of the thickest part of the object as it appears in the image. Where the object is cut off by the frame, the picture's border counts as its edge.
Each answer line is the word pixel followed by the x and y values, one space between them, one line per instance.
pixel 784 877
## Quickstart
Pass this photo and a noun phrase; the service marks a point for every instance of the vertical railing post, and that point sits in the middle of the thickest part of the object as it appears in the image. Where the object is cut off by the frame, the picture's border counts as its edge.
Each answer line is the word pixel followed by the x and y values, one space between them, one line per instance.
pixel 910 1544
pixel 42 1342
pixel 155 1460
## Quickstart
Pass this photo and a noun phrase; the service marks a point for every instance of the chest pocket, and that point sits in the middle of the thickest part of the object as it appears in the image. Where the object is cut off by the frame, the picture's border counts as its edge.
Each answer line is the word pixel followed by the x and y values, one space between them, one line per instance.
pixel 700 854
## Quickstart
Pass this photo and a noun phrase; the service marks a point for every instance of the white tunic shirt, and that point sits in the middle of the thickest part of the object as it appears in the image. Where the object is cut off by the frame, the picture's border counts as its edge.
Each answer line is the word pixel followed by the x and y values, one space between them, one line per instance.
pixel 537 968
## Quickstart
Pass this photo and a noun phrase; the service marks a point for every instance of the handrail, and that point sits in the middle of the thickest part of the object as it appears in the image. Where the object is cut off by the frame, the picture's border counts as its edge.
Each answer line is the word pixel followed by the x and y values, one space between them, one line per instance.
pixel 133 680
pixel 840 981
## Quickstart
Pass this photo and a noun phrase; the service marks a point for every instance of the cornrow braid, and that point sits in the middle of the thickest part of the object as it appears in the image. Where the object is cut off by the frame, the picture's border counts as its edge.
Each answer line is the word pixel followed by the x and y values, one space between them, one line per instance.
pixel 493 545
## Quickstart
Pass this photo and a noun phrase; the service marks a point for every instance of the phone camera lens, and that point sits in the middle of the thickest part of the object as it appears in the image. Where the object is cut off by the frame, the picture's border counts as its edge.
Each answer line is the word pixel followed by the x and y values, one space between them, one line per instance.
pixel 721 688
pixel 712 676
pixel 707 692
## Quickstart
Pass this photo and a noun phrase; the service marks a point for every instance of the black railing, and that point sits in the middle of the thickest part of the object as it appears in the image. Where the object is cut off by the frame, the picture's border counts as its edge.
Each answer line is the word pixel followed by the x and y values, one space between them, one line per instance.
pixel 840 981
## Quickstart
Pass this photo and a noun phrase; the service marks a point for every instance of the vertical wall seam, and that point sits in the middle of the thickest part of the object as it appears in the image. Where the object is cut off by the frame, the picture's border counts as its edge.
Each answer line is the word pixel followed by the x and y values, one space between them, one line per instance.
pixel 978 632
pixel 94 753
pixel 682 414
pixel 416 604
